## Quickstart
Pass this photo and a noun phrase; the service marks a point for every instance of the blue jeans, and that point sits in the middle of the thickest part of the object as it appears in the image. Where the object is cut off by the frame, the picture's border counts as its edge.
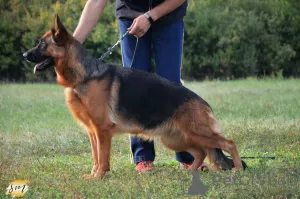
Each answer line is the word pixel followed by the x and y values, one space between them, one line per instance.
pixel 165 44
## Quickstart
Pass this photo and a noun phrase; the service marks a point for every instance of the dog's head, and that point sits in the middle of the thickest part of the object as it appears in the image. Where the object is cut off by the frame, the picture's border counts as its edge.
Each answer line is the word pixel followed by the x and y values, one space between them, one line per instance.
pixel 51 47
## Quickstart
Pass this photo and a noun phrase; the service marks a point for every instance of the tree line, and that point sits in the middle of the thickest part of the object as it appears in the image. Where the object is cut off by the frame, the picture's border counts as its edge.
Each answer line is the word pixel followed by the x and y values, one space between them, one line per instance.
pixel 224 39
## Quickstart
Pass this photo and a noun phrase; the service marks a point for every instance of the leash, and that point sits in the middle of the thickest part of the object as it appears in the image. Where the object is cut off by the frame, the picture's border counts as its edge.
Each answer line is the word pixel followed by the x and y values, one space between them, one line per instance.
pixel 110 49
pixel 261 157
pixel 257 157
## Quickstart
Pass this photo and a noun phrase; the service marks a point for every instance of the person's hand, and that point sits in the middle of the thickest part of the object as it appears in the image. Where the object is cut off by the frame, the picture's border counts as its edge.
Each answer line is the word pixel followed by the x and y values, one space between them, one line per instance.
pixel 139 26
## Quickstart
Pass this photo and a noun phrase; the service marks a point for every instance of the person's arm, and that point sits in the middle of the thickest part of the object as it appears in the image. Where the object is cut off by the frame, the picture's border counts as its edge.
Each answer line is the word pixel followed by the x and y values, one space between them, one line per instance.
pixel 164 8
pixel 89 18
pixel 141 24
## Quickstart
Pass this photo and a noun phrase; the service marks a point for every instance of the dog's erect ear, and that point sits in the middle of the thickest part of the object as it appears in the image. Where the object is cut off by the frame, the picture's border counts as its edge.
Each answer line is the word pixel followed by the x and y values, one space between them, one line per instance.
pixel 59 32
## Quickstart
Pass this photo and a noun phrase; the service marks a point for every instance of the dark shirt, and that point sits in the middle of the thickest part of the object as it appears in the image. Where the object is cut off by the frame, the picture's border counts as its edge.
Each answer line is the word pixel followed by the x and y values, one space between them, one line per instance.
pixel 130 9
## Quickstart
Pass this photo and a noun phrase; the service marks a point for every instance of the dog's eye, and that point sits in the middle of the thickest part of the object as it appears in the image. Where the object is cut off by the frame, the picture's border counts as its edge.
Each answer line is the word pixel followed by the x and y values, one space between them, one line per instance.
pixel 40 42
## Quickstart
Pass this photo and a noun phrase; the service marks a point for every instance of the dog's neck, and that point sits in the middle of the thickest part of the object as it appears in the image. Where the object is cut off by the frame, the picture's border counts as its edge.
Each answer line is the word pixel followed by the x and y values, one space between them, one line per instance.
pixel 93 67
pixel 79 67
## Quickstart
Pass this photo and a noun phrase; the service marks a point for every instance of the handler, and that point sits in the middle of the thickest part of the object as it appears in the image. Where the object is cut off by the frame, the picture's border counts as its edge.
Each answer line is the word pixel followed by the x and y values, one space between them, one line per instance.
pixel 159 26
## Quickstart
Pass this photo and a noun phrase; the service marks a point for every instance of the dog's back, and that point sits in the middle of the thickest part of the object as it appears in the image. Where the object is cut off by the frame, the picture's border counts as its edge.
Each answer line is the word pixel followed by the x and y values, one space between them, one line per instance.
pixel 149 99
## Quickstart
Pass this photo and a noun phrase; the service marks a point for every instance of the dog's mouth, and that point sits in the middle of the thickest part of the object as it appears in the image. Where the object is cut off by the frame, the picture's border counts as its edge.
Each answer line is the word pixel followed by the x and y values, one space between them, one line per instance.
pixel 46 63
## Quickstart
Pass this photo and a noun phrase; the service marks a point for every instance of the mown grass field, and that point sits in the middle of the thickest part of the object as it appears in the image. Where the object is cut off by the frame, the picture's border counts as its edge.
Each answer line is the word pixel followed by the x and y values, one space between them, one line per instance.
pixel 40 142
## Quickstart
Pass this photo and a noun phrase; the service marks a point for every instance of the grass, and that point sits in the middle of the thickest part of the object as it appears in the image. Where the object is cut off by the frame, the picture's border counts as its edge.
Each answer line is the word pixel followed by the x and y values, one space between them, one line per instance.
pixel 40 142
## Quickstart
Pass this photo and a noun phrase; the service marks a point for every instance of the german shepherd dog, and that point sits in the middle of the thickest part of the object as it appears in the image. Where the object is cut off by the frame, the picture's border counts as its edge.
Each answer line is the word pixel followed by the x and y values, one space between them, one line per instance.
pixel 108 100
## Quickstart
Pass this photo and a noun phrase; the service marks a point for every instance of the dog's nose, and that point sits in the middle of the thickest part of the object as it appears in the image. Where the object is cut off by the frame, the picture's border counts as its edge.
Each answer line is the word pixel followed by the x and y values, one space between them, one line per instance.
pixel 25 55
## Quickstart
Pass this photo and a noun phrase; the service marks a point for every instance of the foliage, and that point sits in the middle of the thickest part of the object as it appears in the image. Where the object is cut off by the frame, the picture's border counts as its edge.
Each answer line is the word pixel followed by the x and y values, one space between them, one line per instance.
pixel 236 39
pixel 223 39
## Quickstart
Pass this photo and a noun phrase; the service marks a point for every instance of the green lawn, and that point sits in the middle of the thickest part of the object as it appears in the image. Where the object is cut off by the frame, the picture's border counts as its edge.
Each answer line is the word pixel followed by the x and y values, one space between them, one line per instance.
pixel 40 142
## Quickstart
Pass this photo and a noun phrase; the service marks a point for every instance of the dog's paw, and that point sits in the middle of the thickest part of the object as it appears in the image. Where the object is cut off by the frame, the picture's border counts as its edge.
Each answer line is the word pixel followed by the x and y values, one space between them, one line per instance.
pixel 88 176
pixel 94 170
pixel 101 174
pixel 237 168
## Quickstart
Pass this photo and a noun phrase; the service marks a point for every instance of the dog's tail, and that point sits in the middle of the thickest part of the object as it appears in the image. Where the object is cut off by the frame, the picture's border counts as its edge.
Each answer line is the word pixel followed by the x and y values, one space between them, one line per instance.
pixel 218 159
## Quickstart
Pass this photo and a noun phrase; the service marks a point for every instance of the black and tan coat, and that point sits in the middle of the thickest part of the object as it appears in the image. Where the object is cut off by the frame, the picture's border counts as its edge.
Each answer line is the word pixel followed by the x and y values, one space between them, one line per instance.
pixel 108 100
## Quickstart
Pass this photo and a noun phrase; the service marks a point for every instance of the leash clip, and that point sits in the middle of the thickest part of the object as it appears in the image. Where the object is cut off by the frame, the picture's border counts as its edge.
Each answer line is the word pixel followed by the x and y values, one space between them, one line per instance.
pixel 110 49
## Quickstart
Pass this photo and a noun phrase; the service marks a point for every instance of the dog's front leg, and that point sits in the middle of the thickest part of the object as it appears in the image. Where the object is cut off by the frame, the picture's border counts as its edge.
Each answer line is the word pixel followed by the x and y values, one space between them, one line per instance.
pixel 93 141
pixel 103 139
pixel 81 115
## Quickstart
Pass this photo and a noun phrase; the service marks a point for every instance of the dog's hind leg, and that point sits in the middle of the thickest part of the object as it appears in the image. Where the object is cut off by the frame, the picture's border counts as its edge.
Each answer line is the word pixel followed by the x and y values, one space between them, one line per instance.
pixel 199 127
pixel 81 115
pixel 218 142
